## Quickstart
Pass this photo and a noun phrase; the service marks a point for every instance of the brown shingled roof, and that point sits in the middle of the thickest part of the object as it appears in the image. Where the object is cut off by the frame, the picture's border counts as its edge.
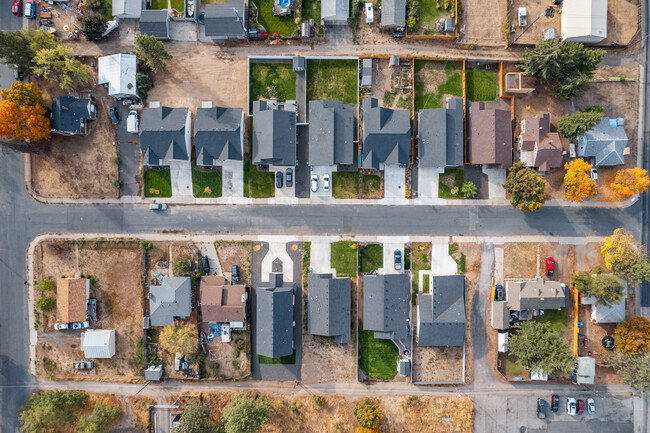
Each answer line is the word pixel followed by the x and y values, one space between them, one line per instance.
pixel 490 136
pixel 71 299
pixel 220 302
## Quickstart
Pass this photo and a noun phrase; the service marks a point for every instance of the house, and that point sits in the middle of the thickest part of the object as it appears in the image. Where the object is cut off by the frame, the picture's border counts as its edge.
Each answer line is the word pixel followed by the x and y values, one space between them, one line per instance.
pixel 72 296
pixel 335 12
pixel 153 372
pixel 586 370
pixel 155 23
pixel 118 72
pixel 331 133
pixel 218 135
pixel 226 20
pixel 165 135
pixel 605 144
pixel 441 314
pixel 490 138
pixel 98 343
pixel 172 299
pixel 584 21
pixel 386 300
pixel 274 326
pixel 393 14
pixel 606 313
pixel 274 133
pixel 386 135
pixel 128 8
pixel 538 146
pixel 69 114
pixel 221 303
pixel 518 83
pixel 527 298
pixel 328 307
pixel 440 135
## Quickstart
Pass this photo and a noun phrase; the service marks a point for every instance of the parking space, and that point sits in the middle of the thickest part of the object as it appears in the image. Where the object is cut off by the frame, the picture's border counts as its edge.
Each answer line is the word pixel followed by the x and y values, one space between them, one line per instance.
pixel 320 257
pixel 441 262
pixel 181 176
pixel 392 244
pixel 232 178
pixel 394 181
pixel 428 182
pixel 129 145
pixel 496 179
pixel 321 172
pixel 285 190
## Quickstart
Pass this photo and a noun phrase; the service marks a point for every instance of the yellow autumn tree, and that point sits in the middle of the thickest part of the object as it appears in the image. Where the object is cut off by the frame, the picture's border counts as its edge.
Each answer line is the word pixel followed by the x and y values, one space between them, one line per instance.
pixel 22 113
pixel 577 182
pixel 630 181
pixel 621 251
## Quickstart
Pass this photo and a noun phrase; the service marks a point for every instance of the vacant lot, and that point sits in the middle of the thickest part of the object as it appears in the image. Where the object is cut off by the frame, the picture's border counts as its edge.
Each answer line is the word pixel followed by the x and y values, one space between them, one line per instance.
pixel 285 26
pixel 354 184
pixel 436 80
pixel 437 364
pixel 157 183
pixel 371 258
pixel 531 33
pixel 483 27
pixel 258 184
pixel 206 182
pixel 480 84
pixel 377 357
pixel 333 79
pixel 236 253
pixel 344 258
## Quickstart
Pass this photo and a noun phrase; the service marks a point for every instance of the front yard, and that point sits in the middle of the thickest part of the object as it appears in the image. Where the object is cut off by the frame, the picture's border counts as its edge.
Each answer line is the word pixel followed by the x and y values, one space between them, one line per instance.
pixel 311 10
pixel 285 26
pixel 344 258
pixel 206 182
pixel 354 185
pixel 480 84
pixel 157 183
pixel 332 79
pixel 258 184
pixel 434 80
pixel 420 261
pixel 272 81
pixel 378 358
pixel 451 181
pixel 372 258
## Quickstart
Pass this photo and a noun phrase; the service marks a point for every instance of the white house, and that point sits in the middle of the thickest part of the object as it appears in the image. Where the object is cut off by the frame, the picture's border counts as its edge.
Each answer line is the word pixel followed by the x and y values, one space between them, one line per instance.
pixel 98 343
pixel 584 21
pixel 118 71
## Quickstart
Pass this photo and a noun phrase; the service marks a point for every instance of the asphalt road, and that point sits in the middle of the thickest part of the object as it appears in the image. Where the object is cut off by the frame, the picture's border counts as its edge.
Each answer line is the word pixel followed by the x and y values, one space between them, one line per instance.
pixel 7 20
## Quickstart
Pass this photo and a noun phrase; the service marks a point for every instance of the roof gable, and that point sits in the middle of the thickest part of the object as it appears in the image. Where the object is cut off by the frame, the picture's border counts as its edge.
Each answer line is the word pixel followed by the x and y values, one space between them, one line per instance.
pixel 386 305
pixel 331 133
pixel 173 298
pixel 118 71
pixel 162 135
pixel 274 321
pixel 328 305
pixel 218 135
pixel 226 20
pixel 69 113
pixel 335 9
pixel 274 135
pixel 71 299
pixel 605 143
pixel 490 136
pixel 386 135
pixel 155 23
pixel 393 13
pixel 441 315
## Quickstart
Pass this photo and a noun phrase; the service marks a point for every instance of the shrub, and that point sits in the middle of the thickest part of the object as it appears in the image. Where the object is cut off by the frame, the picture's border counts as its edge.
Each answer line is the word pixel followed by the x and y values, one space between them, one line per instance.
pixel 182 266
pixel 46 304
pixel 367 414
pixel 145 246
pixel 318 400
pixel 46 285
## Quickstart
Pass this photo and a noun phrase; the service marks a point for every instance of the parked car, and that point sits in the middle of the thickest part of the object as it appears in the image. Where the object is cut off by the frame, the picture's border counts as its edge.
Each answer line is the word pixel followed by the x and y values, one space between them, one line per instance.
pixel 398 34
pixel 581 407
pixel 398 260
pixel 17 7
pixel 571 406
pixel 115 117
pixel 234 270
pixel 498 292
pixel 206 265
pixel 593 173
pixel 288 174
pixel 314 183
pixel 326 182
pixel 555 403
pixel 591 406
pixel 521 12
pixel 158 206
pixel 83 365
pixel 541 408
pixel 61 326
pixel 132 122
pixel 550 266
pixel 30 9
pixel 81 325
pixel 278 179
pixel 370 14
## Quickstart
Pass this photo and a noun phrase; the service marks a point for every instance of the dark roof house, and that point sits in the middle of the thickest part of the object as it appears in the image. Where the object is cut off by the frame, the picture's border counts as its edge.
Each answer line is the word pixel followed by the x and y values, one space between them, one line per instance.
pixel 222 303
pixel 393 13
pixel 335 12
pixel 331 133
pixel 490 138
pixel 441 314
pixel 538 146
pixel 386 301
pixel 69 114
pixel 528 297
pixel 605 143
pixel 218 135
pixel 226 20
pixel 274 135
pixel 440 133
pixel 386 135
pixel 155 23
pixel 328 306
pixel 173 298
pixel 165 135
pixel 274 318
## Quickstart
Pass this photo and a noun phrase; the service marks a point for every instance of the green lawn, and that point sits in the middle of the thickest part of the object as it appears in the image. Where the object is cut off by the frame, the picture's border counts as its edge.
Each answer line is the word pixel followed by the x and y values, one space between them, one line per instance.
pixel 513 367
pixel 459 259
pixel 425 283
pixel 258 184
pixel 345 184
pixel 289 359
pixel 344 258
pixel 378 358
pixel 459 177
pixel 306 257
pixel 452 86
pixel 285 26
pixel 272 81
pixel 420 261
pixel 372 258
pixel 332 79
pixel 429 11
pixel 311 9
pixel 371 185
pixel 157 183
pixel 106 9
pixel 480 84
pixel 206 182
pixel 558 319
pixel 179 5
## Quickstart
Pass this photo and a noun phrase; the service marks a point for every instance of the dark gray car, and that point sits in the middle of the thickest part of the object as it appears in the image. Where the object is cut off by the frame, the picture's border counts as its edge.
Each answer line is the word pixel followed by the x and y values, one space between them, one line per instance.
pixel 541 408
pixel 278 179
pixel 288 175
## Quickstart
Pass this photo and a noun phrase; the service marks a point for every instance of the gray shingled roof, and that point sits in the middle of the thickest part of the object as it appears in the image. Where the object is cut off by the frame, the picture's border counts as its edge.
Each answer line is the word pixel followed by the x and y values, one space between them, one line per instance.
pixel 331 133
pixel 127 8
pixel 155 23
pixel 225 21
pixel 274 320
pixel 530 296
pixel 217 135
pixel 604 143
pixel 393 13
pixel 173 298
pixel 386 301
pixel 162 135
pixel 500 315
pixel 328 305
pixel 335 10
pixel 441 135
pixel 274 136
pixel 69 114
pixel 441 315
pixel 386 135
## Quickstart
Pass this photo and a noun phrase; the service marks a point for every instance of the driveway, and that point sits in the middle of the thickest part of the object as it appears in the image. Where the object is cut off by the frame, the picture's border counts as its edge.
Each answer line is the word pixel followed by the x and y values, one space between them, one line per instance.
pixel 232 173
pixel 496 179
pixel 394 181
pixel 181 174
pixel 441 262
pixel 285 191
pixel 129 153
pixel 321 171
pixel 320 258
pixel 390 245
pixel 427 179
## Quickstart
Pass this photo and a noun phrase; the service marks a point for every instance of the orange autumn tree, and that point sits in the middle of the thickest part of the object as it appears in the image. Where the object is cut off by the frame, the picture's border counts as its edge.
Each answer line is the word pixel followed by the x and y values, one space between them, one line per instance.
pixel 23 114
pixel 630 181
pixel 577 182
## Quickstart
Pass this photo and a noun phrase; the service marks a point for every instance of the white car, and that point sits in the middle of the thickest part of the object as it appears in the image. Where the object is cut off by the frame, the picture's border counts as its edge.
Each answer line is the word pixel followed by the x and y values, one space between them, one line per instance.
pixel 314 183
pixel 326 182
pixel 132 122
pixel 591 406
pixel 571 406
pixel 370 14
pixel 593 173
pixel 81 325
pixel 61 326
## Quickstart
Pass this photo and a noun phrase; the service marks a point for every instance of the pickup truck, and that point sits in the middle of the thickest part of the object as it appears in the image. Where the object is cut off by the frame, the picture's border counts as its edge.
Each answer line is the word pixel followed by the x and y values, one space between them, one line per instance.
pixel 83 365
pixel 132 122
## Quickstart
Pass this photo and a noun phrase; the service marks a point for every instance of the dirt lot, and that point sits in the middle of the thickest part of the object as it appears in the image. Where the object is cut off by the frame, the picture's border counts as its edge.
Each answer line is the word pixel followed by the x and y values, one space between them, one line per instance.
pixel 482 21
pixel 472 254
pixel 520 260
pixel 387 81
pixel 589 344
pixel 372 34
pixel 622 21
pixel 437 364
pixel 114 268
pixel 236 253
pixel 219 360
pixel 532 32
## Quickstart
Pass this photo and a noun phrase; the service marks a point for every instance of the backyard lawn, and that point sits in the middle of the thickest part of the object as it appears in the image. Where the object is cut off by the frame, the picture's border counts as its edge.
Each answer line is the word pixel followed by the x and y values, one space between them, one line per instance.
pixel 378 357
pixel 157 183
pixel 429 11
pixel 332 79
pixel 513 367
pixel 435 79
pixel 285 26
pixel 258 184
pixel 372 258
pixel 272 81
pixel 179 5
pixel 480 85
pixel 455 176
pixel 558 319
pixel 289 359
pixel 206 183
pixel 344 258
pixel 420 261
pixel 311 9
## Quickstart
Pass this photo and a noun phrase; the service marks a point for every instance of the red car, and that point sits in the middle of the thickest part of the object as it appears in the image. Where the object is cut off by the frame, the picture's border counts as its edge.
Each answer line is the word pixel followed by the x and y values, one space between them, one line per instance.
pixel 581 407
pixel 17 7
pixel 550 266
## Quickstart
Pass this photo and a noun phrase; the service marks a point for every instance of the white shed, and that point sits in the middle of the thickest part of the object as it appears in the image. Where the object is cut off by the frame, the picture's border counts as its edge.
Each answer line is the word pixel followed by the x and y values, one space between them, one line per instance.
pixel 118 71
pixel 98 343
pixel 502 342
pixel 584 21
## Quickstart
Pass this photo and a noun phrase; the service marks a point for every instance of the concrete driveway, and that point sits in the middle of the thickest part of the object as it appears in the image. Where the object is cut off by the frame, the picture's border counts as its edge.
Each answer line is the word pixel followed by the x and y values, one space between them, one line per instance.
pixel 394 181
pixel 321 171
pixel 320 258
pixel 496 179
pixel 285 191
pixel 232 173
pixel 428 181
pixel 181 174
pixel 129 153
pixel 391 244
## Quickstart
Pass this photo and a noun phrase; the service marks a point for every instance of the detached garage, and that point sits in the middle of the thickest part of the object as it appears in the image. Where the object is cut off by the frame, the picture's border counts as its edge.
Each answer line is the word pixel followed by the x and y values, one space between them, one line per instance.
pixel 584 21
pixel 98 343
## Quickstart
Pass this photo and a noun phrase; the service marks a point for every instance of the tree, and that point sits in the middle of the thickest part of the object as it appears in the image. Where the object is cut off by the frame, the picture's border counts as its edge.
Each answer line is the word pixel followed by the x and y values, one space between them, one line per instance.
pixel 527 189
pixel 580 122
pixel 468 189
pixel 182 266
pixel 245 415
pixel 195 419
pixel 633 369
pixel 93 26
pixel 577 183
pixel 607 289
pixel 15 50
pixel 175 338
pixel 100 420
pixel 630 181
pixel 537 345
pixel 640 271
pixel 633 335
pixel 28 122
pixel 46 304
pixel 23 94
pixel 144 83
pixel 42 40
pixel 57 64
pixel 46 285
pixel 367 414
pixel 621 251
pixel 151 52
pixel 145 246
pixel 46 410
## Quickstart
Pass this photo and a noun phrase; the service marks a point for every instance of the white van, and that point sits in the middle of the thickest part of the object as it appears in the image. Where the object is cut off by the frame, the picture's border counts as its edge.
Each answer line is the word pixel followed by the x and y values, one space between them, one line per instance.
pixel 132 122
pixel 370 14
